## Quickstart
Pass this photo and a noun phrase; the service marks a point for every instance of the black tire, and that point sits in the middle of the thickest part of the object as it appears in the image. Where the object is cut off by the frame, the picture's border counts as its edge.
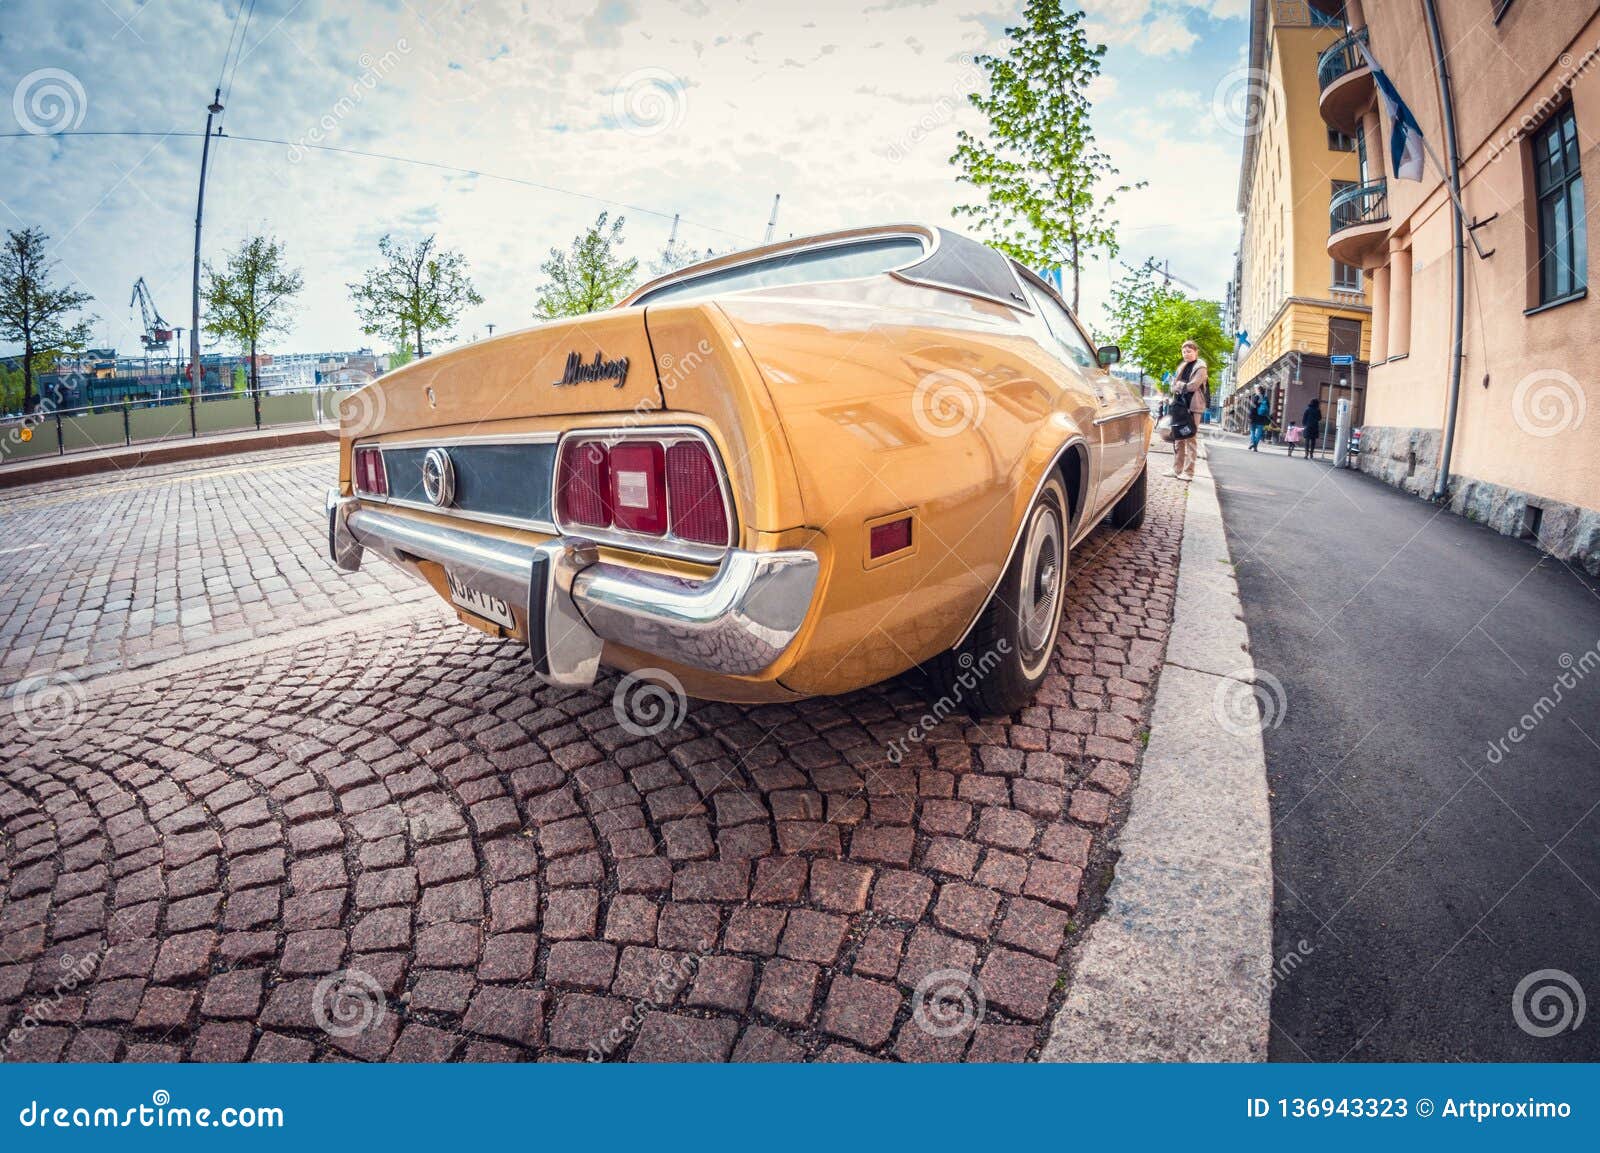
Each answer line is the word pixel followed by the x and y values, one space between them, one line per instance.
pixel 1129 511
pixel 1005 658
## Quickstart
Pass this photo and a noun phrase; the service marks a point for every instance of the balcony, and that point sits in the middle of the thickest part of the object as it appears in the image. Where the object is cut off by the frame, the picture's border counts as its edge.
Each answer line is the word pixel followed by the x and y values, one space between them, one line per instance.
pixel 1346 83
pixel 1358 223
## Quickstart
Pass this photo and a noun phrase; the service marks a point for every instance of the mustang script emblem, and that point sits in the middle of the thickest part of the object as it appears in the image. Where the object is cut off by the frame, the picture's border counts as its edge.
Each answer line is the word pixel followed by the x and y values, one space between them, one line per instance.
pixel 579 371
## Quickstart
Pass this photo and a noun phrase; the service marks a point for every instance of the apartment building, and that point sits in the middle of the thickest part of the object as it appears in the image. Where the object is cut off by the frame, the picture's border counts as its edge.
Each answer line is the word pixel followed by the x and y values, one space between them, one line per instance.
pixel 1304 312
pixel 1506 431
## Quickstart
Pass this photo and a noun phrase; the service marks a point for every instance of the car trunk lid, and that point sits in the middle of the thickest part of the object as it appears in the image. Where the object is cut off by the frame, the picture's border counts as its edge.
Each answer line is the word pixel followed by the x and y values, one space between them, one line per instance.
pixel 600 363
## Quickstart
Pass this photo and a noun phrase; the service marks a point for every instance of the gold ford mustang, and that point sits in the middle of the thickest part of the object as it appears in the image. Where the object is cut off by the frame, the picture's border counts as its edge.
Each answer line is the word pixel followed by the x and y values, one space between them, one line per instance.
pixel 790 471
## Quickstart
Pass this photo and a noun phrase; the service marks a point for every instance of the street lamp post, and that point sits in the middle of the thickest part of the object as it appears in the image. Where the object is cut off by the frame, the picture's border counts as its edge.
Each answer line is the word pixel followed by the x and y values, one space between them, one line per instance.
pixel 198 380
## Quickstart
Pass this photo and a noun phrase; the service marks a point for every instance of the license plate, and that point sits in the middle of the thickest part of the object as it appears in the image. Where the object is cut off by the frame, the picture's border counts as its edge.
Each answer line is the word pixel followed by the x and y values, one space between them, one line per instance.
pixel 477 601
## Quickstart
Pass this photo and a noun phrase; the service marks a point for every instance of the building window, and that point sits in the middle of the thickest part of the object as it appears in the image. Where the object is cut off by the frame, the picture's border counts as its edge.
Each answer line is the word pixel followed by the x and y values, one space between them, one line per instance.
pixel 1563 231
pixel 1344 337
pixel 1346 277
pixel 1339 142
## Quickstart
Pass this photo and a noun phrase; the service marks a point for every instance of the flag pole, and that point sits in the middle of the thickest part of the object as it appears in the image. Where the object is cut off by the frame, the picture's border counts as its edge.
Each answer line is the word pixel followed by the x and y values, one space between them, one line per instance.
pixel 1444 177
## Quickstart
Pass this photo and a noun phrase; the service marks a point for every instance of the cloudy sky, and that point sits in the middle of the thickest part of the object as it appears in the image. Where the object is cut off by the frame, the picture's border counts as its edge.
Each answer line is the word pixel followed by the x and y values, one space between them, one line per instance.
pixel 647 108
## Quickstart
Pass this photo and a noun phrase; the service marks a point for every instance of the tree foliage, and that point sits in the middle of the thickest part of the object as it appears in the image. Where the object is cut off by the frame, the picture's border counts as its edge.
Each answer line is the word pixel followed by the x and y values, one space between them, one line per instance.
pixel 32 313
pixel 249 300
pixel 1150 320
pixel 416 290
pixel 1049 189
pixel 589 276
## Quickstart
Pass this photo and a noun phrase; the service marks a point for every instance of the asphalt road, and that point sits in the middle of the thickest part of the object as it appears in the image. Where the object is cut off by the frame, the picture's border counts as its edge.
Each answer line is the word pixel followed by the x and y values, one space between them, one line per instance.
pixel 1428 872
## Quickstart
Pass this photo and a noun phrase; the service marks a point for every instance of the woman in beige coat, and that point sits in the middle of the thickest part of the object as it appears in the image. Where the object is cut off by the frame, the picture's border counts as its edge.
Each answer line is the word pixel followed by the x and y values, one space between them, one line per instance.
pixel 1189 400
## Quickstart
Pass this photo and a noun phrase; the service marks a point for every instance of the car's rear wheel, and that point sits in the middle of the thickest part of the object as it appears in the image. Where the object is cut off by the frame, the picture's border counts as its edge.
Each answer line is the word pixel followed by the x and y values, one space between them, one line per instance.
pixel 1004 659
pixel 1129 511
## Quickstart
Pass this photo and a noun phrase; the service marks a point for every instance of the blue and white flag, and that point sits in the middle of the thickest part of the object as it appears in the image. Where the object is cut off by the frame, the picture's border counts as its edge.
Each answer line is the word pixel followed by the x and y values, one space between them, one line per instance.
pixel 1405 137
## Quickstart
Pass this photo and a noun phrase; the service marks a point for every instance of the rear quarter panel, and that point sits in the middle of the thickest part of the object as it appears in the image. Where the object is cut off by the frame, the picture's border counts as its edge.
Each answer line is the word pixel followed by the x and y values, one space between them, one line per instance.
pixel 901 399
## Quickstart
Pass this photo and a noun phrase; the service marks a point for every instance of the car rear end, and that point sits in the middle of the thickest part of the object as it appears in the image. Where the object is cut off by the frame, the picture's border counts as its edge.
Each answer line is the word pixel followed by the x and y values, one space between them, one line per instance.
pixel 604 490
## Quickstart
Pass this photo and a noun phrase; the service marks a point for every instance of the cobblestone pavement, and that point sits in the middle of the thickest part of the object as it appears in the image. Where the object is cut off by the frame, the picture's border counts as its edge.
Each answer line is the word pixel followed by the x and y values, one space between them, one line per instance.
pixel 396 845
pixel 104 574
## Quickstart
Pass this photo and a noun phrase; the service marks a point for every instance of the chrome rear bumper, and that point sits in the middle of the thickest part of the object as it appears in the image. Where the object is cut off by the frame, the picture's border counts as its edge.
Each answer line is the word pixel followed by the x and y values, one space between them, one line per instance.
pixel 735 622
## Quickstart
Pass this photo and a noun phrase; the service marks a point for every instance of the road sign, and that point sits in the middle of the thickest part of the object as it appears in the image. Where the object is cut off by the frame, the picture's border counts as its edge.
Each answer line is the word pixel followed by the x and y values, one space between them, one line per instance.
pixel 1341 361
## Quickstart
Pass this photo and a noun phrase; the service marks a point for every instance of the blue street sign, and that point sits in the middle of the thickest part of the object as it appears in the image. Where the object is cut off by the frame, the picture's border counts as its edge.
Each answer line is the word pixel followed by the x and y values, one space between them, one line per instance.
pixel 1341 361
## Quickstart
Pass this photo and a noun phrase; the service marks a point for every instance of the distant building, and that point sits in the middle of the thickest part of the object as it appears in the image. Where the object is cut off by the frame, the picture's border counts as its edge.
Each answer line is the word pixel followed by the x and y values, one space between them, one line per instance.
pixel 1302 307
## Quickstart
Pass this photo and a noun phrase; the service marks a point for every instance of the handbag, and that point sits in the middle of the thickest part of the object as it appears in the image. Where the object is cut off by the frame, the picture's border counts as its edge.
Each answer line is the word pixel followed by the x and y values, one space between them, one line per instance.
pixel 1164 428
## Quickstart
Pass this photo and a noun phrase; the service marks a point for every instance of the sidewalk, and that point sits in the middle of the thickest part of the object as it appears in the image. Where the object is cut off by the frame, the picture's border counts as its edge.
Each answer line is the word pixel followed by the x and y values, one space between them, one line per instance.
pixel 1177 966
pixel 121 458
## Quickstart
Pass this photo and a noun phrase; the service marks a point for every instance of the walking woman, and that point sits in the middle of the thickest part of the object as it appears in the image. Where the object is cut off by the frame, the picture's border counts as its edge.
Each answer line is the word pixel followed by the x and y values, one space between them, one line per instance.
pixel 1312 420
pixel 1189 400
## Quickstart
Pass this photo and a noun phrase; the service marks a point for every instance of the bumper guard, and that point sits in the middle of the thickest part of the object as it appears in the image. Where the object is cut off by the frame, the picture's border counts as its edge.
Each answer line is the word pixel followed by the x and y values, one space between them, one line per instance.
pixel 735 622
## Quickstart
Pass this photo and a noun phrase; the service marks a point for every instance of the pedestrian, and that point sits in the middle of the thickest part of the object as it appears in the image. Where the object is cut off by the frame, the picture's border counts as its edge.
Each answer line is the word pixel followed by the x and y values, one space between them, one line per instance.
pixel 1311 421
pixel 1260 414
pixel 1189 400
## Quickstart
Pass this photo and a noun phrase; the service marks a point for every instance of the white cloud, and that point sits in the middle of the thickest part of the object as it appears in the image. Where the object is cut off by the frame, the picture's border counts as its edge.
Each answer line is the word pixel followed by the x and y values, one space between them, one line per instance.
pixel 861 131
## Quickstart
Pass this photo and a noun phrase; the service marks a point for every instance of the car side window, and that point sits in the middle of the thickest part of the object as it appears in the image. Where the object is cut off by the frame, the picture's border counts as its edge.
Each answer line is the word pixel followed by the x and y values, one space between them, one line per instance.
pixel 1061 327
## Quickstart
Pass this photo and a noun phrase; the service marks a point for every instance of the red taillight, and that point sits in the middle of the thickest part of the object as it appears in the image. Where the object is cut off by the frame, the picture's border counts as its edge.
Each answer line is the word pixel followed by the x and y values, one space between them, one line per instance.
pixel 371 478
pixel 583 484
pixel 697 511
pixel 643 487
pixel 638 487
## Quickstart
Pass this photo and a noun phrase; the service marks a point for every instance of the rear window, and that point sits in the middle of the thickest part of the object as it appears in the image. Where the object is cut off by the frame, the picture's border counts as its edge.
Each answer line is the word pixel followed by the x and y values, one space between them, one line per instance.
pixel 805 266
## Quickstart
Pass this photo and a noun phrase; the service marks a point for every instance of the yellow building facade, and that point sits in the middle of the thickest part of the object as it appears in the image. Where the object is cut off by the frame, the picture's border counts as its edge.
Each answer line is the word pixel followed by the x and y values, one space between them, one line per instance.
pixel 1300 310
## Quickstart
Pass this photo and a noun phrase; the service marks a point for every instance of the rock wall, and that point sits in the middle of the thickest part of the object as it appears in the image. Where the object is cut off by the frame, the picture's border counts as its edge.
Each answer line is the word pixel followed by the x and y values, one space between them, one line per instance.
pixel 1405 458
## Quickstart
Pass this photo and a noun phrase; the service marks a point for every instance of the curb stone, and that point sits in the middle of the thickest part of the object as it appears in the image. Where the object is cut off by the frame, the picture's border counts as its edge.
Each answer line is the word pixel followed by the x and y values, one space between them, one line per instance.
pixel 1178 967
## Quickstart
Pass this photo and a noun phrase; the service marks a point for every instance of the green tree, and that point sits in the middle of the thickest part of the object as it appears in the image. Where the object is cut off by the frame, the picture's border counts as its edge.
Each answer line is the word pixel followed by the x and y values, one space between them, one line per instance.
pixel 34 314
pixel 589 276
pixel 240 381
pixel 10 388
pixel 249 300
pixel 1049 189
pixel 417 289
pixel 1150 320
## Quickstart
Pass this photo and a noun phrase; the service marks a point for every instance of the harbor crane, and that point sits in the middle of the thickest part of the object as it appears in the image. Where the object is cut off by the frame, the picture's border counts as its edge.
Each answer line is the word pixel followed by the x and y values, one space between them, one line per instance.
pixel 157 332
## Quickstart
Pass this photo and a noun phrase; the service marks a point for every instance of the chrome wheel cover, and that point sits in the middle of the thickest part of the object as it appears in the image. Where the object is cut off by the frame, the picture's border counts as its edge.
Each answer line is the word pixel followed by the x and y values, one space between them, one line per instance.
pixel 1040 597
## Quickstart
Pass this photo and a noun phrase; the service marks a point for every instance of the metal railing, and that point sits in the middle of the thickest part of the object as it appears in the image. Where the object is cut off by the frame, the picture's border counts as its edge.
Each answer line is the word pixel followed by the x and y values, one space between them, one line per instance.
pixel 1359 204
pixel 1341 58
pixel 55 431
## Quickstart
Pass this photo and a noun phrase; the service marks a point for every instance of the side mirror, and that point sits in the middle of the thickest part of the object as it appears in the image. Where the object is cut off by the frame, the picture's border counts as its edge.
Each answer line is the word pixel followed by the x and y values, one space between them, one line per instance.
pixel 1108 355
